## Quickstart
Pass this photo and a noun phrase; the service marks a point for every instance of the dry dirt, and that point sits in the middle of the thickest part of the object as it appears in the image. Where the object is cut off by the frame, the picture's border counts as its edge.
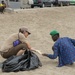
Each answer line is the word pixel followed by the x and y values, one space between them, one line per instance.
pixel 40 22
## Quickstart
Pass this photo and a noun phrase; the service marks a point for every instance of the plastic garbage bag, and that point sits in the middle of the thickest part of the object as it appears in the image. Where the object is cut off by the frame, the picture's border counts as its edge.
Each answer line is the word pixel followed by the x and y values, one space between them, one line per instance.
pixel 27 61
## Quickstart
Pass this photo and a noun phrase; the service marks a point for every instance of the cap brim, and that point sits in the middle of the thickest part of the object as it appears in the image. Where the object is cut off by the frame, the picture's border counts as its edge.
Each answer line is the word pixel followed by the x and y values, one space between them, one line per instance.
pixel 29 33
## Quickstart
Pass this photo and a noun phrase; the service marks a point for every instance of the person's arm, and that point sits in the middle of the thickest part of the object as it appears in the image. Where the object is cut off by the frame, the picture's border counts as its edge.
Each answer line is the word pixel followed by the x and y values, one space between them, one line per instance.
pixel 32 49
pixel 23 40
pixel 55 54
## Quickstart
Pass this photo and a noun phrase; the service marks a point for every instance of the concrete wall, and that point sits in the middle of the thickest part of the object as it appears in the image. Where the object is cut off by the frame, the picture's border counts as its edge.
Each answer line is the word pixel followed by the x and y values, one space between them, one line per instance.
pixel 14 5
pixel 17 5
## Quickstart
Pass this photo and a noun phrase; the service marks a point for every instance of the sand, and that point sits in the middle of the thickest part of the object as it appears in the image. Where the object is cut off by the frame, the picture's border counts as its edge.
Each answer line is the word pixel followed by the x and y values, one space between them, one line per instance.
pixel 40 22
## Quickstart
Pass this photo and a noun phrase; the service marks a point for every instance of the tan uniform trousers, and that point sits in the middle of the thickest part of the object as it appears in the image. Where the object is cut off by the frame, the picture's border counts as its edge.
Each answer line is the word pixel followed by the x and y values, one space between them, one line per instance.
pixel 14 50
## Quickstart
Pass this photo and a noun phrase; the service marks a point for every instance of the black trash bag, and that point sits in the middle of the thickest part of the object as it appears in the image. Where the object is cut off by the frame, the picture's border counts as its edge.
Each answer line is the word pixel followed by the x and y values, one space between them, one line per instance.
pixel 25 62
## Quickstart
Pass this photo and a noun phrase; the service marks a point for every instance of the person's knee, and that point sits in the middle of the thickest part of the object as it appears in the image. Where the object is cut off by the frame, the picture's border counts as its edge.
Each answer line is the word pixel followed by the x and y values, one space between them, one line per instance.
pixel 20 52
pixel 24 46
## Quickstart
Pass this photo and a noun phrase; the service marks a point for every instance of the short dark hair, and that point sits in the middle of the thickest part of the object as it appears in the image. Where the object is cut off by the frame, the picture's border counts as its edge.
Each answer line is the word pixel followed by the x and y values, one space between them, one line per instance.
pixel 2 1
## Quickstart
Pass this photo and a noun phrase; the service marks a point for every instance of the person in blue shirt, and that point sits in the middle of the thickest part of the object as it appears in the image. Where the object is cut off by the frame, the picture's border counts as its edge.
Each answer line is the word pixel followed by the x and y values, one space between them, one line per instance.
pixel 64 49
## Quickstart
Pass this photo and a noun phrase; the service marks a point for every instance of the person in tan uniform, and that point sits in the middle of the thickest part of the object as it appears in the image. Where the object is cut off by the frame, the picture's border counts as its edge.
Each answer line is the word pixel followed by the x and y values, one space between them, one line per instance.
pixel 8 48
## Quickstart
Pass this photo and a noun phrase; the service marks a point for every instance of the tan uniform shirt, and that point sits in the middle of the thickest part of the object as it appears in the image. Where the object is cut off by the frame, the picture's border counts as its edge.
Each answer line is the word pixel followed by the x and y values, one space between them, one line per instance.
pixel 9 42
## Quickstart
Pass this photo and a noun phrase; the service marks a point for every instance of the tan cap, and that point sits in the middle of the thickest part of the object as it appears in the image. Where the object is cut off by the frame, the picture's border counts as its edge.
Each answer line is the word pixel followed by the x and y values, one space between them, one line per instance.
pixel 23 29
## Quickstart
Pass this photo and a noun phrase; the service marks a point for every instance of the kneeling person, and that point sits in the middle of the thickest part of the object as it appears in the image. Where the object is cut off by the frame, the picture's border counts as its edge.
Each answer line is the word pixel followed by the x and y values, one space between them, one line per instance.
pixel 64 49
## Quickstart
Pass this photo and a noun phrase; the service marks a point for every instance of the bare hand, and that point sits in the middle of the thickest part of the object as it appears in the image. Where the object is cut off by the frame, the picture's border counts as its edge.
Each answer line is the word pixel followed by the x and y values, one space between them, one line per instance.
pixel 44 54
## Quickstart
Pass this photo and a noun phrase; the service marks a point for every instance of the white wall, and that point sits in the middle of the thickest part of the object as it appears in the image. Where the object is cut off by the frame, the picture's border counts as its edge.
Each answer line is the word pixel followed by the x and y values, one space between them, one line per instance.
pixel 15 5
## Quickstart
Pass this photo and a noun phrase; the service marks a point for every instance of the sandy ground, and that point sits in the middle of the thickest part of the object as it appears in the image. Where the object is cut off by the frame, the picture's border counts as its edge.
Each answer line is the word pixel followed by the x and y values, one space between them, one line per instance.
pixel 40 22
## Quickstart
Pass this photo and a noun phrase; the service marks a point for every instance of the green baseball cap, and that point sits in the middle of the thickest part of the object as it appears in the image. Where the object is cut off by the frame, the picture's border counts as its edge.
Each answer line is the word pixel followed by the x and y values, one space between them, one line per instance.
pixel 54 32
